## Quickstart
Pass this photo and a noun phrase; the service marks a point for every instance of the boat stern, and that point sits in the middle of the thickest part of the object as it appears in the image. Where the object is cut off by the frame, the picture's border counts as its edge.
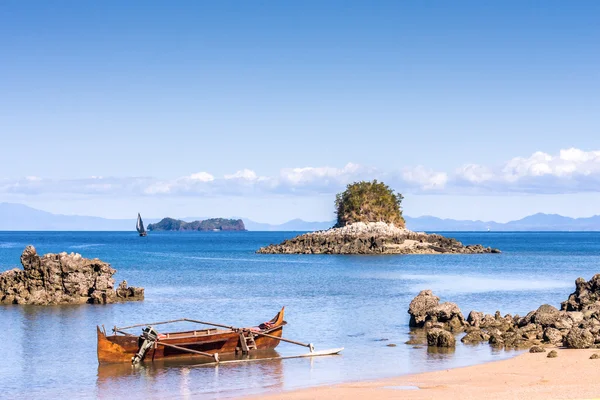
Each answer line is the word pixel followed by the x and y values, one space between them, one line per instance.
pixel 110 352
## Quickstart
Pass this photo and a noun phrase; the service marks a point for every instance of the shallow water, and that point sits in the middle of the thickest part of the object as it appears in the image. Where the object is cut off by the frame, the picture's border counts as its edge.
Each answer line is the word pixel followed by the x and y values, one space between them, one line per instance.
pixel 356 302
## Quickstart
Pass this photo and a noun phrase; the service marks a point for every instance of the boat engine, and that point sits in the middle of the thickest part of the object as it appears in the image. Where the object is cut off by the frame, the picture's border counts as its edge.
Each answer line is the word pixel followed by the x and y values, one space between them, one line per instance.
pixel 148 338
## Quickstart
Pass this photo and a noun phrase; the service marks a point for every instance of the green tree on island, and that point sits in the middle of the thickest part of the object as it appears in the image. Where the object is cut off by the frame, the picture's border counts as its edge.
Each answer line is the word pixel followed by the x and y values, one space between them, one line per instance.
pixel 368 202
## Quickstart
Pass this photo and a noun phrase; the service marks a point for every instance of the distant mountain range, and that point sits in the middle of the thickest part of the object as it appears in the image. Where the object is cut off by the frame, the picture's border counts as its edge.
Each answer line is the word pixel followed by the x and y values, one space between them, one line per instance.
pixel 535 222
pixel 19 217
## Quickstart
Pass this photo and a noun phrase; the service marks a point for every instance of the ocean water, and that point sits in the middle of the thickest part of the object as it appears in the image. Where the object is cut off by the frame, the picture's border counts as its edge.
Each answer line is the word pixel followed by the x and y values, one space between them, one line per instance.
pixel 355 302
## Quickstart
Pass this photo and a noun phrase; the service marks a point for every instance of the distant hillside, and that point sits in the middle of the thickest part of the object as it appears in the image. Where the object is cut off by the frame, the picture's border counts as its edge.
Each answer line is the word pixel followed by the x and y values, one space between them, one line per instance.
pixel 19 217
pixel 536 222
pixel 293 225
pixel 212 224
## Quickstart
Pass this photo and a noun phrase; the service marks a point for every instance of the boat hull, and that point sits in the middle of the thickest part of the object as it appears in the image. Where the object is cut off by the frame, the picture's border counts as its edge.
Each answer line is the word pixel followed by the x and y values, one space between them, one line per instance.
pixel 122 348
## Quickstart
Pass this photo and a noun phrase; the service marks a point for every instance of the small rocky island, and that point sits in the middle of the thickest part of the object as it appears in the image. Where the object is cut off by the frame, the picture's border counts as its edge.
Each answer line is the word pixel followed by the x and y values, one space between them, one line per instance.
pixel 63 279
pixel 212 224
pixel 576 325
pixel 369 221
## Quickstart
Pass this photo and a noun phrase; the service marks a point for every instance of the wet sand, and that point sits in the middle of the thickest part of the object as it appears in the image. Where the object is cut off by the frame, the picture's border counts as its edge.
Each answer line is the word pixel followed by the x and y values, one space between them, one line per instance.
pixel 571 375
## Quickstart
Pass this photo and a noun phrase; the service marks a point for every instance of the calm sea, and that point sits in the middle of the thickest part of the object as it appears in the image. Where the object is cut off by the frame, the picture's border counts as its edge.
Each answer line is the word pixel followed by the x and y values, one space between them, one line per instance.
pixel 356 302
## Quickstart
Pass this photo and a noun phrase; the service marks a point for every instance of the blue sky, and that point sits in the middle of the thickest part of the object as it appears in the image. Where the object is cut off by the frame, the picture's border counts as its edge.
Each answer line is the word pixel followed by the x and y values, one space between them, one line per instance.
pixel 266 109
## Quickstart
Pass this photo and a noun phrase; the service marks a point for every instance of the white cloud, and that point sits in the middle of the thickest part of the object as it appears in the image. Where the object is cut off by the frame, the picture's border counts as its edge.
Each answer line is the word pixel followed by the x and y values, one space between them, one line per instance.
pixel 570 171
pixel 246 174
pixel 425 178
pixel 474 173
pixel 201 177
pixel 301 176
pixel 568 163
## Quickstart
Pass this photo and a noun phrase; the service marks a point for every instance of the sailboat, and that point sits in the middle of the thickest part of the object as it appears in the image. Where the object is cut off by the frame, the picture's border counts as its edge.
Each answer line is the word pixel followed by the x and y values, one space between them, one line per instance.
pixel 140 226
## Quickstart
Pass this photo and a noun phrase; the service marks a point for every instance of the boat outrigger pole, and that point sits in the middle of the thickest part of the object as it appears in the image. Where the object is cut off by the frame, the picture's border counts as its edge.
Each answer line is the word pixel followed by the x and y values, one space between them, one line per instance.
pixel 309 345
pixel 213 356
pixel 115 329
pixel 150 339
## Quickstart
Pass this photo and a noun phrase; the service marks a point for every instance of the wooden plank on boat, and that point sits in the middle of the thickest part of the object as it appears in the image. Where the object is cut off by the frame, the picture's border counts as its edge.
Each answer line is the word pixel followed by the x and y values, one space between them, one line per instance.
pixel 215 355
pixel 328 352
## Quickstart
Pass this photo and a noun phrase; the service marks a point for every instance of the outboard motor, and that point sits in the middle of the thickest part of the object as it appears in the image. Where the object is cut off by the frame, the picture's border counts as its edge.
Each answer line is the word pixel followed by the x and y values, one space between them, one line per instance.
pixel 148 337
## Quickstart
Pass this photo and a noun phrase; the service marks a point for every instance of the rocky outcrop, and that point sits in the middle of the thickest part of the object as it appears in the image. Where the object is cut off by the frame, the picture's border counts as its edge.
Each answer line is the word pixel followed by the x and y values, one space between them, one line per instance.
pixel 437 337
pixel 62 279
pixel 576 325
pixel 372 238
pixel 211 224
pixel 585 297
pixel 579 338
pixel 426 311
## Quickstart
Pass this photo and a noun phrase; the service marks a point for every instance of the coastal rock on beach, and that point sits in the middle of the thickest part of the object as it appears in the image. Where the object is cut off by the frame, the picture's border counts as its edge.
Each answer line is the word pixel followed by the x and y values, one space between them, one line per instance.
pixel 576 325
pixel 585 297
pixel 578 338
pixel 62 279
pixel 372 238
pixel 426 311
pixel 537 349
pixel 437 337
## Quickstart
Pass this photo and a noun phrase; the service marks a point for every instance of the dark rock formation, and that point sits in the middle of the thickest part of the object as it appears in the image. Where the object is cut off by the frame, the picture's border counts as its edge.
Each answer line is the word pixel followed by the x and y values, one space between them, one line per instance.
pixel 579 338
pixel 212 224
pixel 576 325
pixel 426 311
pixel 586 295
pixel 62 279
pixel 419 307
pixel 127 293
pixel 372 238
pixel 437 337
pixel 537 349
pixel 475 336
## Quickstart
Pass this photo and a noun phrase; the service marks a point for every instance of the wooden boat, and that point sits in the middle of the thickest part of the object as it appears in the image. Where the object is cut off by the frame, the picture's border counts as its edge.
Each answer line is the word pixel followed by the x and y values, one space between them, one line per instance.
pixel 139 226
pixel 204 344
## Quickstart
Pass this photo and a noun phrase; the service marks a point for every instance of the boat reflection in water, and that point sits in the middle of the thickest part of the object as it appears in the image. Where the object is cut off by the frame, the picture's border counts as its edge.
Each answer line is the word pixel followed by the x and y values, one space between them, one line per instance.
pixel 159 379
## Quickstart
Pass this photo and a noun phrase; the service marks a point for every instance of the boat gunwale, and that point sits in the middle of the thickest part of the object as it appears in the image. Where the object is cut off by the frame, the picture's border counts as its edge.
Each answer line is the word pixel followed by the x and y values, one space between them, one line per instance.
pixel 171 335
pixel 277 322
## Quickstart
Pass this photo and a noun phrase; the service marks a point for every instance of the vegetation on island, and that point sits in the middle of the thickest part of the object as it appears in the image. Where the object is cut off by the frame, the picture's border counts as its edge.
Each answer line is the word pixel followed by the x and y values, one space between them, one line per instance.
pixel 369 202
pixel 212 224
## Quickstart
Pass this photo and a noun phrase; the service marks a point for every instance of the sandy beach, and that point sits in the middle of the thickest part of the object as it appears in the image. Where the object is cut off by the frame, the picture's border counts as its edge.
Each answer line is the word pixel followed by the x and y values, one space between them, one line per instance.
pixel 571 375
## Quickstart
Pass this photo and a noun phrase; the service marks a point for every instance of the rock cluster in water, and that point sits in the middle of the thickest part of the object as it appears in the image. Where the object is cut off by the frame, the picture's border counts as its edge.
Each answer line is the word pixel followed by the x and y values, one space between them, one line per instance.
pixel 372 238
pixel 63 279
pixel 576 325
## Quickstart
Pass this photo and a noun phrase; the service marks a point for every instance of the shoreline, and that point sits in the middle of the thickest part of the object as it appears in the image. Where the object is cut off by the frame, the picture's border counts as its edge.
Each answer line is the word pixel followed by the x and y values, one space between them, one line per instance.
pixel 531 376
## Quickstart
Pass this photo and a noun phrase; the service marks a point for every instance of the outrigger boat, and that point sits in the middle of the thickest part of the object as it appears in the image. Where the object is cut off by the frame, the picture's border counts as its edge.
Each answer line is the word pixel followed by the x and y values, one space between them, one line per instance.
pixel 204 344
